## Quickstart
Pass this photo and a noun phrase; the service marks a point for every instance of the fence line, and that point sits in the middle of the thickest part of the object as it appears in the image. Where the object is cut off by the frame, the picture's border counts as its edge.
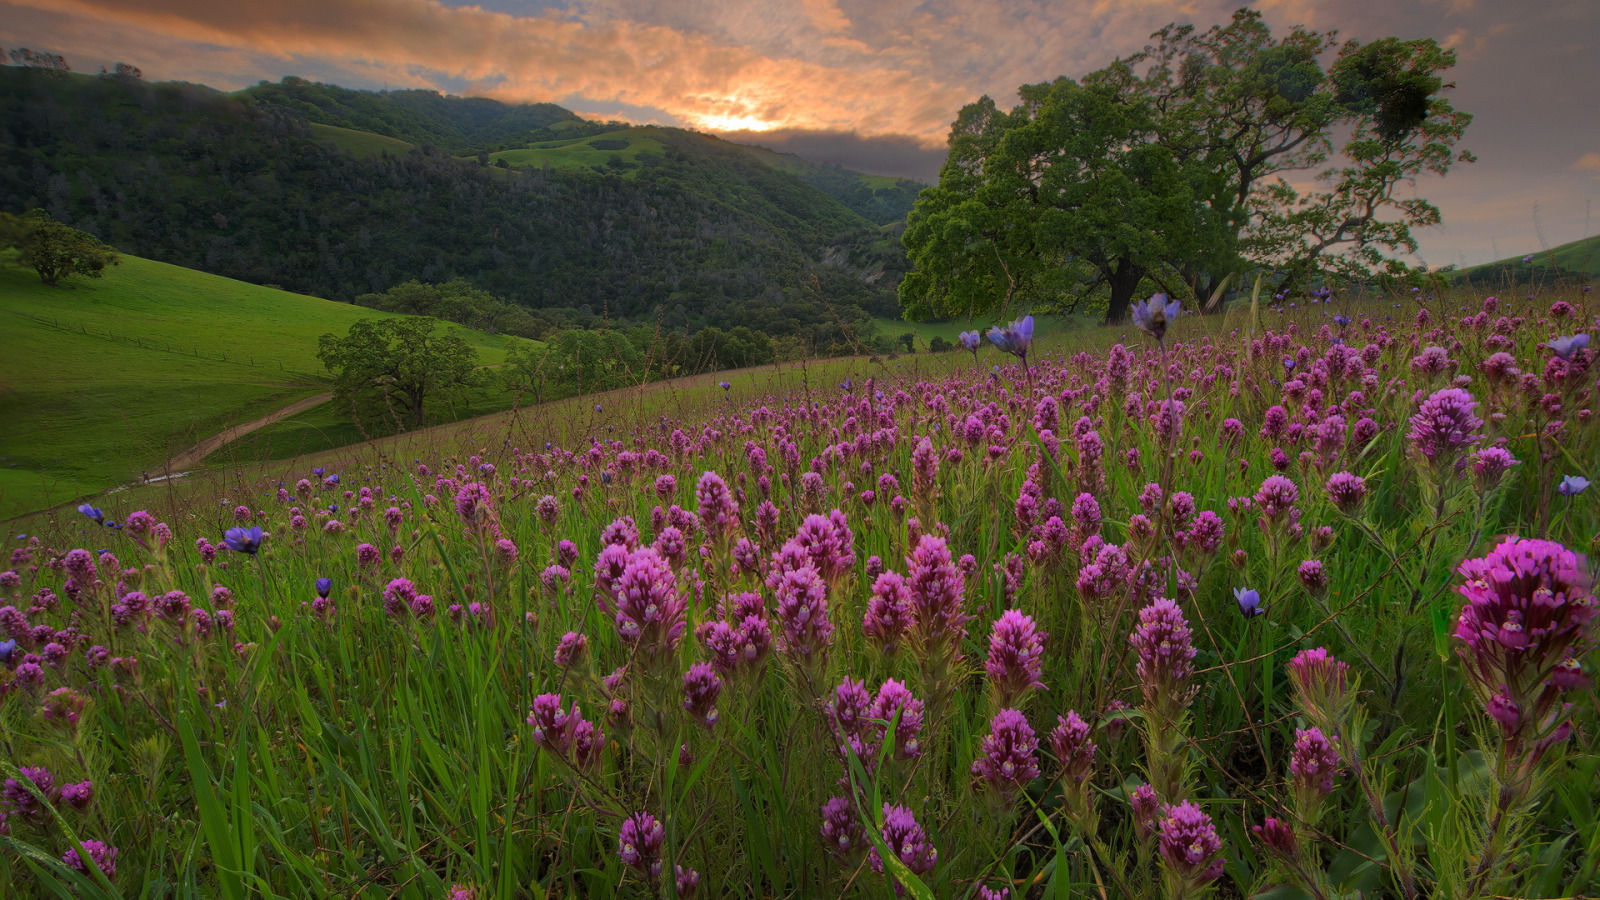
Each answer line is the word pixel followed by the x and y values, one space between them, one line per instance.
pixel 245 359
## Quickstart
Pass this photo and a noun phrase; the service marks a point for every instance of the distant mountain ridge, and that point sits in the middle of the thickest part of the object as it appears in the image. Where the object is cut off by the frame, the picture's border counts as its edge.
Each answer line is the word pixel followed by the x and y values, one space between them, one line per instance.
pixel 281 185
pixel 467 126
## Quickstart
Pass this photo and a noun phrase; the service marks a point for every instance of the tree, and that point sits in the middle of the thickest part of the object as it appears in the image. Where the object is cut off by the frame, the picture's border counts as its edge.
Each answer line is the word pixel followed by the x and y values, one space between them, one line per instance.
pixel 54 250
pixel 1169 167
pixel 394 366
pixel 1069 192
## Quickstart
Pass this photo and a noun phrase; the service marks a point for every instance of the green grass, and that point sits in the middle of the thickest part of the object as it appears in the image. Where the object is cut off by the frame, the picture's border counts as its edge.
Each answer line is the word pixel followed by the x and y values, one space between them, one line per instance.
pixel 1582 255
pixel 581 153
pixel 361 143
pixel 1045 327
pixel 102 380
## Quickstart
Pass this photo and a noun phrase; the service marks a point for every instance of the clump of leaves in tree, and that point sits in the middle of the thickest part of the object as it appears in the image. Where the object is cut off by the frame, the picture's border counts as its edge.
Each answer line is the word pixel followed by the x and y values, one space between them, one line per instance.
pixel 387 370
pixel 52 249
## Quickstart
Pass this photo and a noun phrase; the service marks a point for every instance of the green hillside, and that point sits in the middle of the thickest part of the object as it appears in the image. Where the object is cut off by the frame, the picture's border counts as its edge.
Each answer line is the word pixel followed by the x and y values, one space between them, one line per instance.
pixel 1578 259
pixel 292 186
pixel 361 143
pixel 101 380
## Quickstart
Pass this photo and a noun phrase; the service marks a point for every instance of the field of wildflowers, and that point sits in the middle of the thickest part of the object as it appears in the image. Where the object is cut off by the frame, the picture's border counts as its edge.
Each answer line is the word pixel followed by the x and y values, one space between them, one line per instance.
pixel 1297 610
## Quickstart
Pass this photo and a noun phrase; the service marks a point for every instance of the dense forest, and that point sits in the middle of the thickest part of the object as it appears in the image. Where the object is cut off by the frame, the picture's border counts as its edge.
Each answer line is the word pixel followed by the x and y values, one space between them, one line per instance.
pixel 240 185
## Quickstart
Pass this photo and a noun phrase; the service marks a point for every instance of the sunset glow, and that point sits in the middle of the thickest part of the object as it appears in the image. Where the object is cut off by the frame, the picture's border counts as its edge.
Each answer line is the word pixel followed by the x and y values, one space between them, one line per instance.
pixel 884 80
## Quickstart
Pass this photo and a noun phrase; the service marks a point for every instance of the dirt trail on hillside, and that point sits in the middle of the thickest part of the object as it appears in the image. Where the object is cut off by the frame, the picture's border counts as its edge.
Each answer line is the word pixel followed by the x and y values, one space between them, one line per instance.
pixel 212 444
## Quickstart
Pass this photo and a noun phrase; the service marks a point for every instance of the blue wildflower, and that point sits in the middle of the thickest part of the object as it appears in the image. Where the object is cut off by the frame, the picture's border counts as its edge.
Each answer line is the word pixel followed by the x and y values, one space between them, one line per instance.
pixel 970 340
pixel 724 385
pixel 324 585
pixel 1563 346
pixel 1153 316
pixel 1015 338
pixel 7 648
pixel 1249 602
pixel 1572 486
pixel 243 540
pixel 93 513
pixel 318 472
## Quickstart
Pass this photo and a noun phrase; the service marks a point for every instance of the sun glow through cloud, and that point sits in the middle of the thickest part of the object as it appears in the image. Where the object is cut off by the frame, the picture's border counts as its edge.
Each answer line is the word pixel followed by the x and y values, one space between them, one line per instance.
pixel 731 123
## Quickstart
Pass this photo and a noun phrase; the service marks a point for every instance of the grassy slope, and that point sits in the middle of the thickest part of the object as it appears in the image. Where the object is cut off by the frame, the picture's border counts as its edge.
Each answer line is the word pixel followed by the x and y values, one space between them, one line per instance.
pixel 1044 327
pixel 102 379
pixel 1582 255
pixel 361 143
pixel 581 152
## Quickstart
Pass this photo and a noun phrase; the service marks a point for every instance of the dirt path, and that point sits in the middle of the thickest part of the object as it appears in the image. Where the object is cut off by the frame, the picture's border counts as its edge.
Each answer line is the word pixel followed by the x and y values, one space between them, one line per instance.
pixel 211 444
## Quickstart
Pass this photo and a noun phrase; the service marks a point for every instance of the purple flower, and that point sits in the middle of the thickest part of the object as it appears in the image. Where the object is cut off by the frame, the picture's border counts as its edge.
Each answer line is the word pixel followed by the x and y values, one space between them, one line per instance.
pixel 324 586
pixel 1322 684
pixel 1572 486
pixel 939 620
pixel 1249 602
pixel 243 540
pixel 1016 651
pixel 79 795
pixel 1276 496
pixel 1166 654
pixel 719 511
pixel 1530 609
pixel 841 829
pixel 1146 808
pixel 1313 576
pixel 639 845
pixel 803 610
pixel 896 706
pixel 688 882
pixel 1015 338
pixel 701 686
pixel 571 650
pixel 1445 426
pixel 552 725
pixel 1189 844
pixel 1006 756
pixel 1074 752
pixel 1154 315
pixel 1490 464
pixel 1278 837
pixel 1564 347
pixel 104 856
pixel 907 841
pixel 888 612
pixel 1313 765
pixel 21 797
pixel 650 608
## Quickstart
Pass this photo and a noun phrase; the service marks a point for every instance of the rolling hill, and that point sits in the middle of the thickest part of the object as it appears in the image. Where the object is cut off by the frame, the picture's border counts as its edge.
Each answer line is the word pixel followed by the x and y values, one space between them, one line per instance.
pixel 102 380
pixel 1578 259
pixel 291 186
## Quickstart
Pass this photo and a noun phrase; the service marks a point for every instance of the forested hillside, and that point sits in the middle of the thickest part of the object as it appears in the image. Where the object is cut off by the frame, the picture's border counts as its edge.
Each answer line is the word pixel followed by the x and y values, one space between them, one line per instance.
pixel 228 184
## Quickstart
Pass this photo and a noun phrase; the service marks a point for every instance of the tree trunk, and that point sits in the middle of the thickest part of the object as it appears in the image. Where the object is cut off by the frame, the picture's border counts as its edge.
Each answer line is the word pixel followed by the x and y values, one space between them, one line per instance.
pixel 416 409
pixel 1124 281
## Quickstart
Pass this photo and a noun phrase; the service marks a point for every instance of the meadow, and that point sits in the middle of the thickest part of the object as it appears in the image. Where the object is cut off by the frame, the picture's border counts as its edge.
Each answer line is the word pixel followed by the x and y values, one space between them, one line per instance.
pixel 104 379
pixel 1289 603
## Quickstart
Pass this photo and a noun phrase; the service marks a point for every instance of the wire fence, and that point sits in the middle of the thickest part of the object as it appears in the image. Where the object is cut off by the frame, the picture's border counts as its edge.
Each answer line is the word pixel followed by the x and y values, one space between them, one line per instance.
pixel 235 358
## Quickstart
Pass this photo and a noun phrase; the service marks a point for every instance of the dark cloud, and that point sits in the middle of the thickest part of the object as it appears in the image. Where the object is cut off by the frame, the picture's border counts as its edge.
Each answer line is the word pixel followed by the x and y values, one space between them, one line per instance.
pixel 899 155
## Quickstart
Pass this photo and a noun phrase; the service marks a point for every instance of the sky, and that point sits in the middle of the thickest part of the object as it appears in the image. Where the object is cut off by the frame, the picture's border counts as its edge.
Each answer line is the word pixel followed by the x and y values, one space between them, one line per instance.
pixel 873 84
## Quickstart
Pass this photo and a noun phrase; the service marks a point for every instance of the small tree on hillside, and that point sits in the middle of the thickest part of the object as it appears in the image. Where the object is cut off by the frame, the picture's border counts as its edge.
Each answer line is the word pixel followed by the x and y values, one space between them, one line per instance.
pixel 395 366
pixel 54 250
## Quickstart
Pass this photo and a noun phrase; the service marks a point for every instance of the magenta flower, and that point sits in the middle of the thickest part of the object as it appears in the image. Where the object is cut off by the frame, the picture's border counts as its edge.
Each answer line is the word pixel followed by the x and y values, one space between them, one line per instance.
pixel 1166 655
pixel 803 612
pixel 1016 651
pixel 650 608
pixel 1313 765
pixel 553 726
pixel 896 706
pixel 1276 496
pixel 1445 428
pixel 1278 837
pixel 841 830
pixel 572 650
pixel 1322 684
pixel 1146 808
pixel 104 856
pixel 1530 609
pixel 888 612
pixel 939 620
pixel 701 686
pixel 907 841
pixel 639 845
pixel 1007 755
pixel 1346 491
pixel 1189 844
pixel 719 511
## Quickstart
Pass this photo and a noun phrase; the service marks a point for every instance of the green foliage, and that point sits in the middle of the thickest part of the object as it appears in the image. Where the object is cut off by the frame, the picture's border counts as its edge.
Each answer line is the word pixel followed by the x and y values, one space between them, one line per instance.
pixel 1190 139
pixel 461 303
pixel 238 186
pixel 386 370
pixel 52 249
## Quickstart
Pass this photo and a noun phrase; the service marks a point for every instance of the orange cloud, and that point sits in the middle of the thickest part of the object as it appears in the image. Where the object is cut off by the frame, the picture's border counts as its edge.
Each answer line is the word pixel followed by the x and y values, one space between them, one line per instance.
pixel 547 58
pixel 1589 162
